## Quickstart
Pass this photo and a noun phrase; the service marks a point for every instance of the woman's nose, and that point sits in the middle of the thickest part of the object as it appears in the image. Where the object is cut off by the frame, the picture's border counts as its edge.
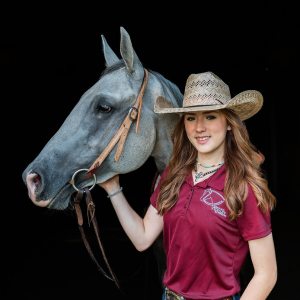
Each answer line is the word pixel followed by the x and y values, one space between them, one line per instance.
pixel 200 127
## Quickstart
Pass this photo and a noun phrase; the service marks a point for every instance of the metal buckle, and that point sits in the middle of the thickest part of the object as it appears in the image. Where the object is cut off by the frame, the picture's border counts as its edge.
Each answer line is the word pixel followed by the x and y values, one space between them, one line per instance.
pixel 129 113
pixel 83 170
pixel 173 295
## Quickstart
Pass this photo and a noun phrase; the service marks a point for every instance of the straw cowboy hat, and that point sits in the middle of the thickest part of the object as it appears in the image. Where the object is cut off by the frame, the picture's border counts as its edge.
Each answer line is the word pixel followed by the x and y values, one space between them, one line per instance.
pixel 206 91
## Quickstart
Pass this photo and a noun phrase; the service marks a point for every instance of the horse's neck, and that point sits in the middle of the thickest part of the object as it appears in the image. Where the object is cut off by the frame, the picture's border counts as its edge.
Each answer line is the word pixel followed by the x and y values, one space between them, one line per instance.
pixel 166 122
pixel 169 90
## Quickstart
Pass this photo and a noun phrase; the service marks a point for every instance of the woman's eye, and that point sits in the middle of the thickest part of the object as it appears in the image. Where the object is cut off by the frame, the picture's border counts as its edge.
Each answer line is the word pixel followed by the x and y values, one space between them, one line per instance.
pixel 104 108
pixel 190 118
pixel 210 117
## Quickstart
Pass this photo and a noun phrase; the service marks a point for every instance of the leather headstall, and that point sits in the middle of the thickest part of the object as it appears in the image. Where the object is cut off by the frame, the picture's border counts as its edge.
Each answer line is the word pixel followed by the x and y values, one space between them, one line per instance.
pixel 121 135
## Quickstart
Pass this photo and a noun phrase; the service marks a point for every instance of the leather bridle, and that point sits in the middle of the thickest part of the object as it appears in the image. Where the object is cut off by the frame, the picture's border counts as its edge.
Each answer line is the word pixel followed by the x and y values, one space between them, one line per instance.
pixel 121 135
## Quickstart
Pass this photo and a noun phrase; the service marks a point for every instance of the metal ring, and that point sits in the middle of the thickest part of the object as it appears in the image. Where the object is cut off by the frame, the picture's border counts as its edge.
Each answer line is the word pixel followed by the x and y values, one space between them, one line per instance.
pixel 82 170
pixel 129 113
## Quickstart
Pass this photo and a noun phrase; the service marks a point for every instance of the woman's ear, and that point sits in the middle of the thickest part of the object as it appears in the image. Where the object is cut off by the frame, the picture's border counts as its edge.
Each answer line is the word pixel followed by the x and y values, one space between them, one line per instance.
pixel 228 127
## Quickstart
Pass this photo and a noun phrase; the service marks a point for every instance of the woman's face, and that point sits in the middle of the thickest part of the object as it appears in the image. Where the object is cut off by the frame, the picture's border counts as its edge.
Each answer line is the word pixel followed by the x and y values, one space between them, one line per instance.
pixel 206 130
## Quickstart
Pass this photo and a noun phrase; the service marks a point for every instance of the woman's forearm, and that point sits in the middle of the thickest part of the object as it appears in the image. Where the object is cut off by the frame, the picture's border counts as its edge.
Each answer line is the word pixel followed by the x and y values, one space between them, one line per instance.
pixel 142 232
pixel 259 287
pixel 131 222
pixel 263 257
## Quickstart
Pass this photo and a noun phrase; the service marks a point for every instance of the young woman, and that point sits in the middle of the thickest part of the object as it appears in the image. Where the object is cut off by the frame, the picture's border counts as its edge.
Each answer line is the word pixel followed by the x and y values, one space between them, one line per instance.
pixel 212 202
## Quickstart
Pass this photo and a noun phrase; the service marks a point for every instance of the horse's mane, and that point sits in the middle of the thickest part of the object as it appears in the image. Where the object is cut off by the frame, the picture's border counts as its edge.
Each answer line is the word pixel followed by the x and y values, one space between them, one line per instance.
pixel 116 66
pixel 171 90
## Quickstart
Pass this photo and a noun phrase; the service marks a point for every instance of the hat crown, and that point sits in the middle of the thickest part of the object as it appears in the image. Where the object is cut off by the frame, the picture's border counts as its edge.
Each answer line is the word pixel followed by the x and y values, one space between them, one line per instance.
pixel 205 89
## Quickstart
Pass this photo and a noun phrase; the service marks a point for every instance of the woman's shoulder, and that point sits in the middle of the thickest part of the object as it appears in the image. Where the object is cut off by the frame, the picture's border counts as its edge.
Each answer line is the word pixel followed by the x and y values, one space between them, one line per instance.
pixel 161 177
pixel 165 172
pixel 157 185
pixel 251 194
pixel 251 205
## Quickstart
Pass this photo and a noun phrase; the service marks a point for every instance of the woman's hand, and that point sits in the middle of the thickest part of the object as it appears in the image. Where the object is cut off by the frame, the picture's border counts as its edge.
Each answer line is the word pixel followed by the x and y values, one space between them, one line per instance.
pixel 111 185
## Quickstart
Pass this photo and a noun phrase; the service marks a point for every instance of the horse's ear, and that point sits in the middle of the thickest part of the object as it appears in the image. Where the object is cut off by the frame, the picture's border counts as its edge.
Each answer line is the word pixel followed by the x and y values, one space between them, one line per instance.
pixel 109 55
pixel 162 103
pixel 129 56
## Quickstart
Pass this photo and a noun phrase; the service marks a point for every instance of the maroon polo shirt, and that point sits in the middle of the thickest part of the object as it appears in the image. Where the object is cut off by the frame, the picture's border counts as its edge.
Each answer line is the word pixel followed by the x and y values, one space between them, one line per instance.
pixel 205 251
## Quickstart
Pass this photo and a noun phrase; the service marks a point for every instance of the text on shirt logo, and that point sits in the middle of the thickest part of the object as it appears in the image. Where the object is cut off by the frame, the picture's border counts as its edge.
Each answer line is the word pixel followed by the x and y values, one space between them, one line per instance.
pixel 213 199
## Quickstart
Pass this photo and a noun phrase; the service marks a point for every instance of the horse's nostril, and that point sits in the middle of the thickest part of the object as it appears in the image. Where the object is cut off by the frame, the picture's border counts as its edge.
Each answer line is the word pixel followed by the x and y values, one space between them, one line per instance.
pixel 37 180
pixel 34 185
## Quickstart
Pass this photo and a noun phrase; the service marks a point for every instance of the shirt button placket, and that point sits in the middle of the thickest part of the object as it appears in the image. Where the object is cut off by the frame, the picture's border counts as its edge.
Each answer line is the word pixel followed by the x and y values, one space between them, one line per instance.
pixel 188 200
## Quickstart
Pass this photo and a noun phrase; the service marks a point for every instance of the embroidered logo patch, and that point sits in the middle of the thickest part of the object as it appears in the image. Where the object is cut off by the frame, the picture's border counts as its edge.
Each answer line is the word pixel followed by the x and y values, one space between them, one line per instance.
pixel 213 199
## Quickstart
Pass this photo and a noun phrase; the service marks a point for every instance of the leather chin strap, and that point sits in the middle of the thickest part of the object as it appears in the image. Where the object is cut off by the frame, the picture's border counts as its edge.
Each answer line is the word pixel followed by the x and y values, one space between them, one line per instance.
pixel 121 135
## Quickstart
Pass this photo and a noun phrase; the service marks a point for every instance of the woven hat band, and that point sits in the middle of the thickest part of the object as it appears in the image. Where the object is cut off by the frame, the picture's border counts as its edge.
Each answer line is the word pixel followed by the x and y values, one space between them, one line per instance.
pixel 202 99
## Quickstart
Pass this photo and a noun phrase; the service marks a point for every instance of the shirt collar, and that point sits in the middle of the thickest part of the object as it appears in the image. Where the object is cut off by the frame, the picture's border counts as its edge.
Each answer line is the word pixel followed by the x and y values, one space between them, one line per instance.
pixel 215 181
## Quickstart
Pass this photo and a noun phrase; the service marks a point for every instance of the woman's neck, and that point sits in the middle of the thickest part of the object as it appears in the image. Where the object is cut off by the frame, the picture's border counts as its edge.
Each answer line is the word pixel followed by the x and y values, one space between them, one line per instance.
pixel 212 158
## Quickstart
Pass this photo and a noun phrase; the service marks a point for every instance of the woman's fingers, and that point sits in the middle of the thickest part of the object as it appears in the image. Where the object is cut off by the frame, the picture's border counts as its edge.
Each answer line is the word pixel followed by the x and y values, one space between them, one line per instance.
pixel 111 184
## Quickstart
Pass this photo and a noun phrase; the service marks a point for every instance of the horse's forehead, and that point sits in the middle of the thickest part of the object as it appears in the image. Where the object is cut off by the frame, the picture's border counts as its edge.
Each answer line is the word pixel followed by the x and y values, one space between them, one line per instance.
pixel 116 84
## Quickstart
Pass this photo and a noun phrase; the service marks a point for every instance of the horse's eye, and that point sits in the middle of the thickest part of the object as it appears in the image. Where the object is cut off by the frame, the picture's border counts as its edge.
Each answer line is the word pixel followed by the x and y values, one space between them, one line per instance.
pixel 104 108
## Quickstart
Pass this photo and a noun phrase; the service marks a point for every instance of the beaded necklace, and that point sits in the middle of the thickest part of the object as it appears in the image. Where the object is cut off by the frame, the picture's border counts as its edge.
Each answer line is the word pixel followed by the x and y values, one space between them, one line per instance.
pixel 201 174
pixel 208 166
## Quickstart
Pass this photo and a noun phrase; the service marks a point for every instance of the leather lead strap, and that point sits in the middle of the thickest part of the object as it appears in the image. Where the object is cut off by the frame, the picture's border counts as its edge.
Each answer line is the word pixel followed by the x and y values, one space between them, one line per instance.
pixel 78 198
pixel 91 210
pixel 92 218
pixel 122 133
pixel 87 245
pixel 77 207
pixel 91 213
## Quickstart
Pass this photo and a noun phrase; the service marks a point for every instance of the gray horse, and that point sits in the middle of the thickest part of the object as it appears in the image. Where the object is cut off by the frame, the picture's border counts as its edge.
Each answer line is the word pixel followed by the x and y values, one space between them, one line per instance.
pixel 92 124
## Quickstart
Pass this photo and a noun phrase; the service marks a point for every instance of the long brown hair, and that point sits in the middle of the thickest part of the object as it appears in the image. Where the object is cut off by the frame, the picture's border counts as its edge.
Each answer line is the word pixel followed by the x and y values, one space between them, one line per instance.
pixel 241 169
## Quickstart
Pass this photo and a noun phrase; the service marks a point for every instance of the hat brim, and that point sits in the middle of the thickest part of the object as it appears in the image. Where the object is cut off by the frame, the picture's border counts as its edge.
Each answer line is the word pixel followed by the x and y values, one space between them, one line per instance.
pixel 245 105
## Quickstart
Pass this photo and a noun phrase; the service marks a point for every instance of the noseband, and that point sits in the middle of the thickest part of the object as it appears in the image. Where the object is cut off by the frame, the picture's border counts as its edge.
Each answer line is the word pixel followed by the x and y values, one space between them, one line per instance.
pixel 121 135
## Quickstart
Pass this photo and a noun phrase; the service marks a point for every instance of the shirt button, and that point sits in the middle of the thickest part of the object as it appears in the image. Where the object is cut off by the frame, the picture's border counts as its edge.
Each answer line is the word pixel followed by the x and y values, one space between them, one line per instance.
pixel 191 190
pixel 185 206
pixel 188 196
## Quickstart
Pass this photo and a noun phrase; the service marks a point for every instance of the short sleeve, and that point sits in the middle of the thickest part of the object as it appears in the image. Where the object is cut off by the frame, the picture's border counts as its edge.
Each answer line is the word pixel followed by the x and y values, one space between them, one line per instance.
pixel 156 192
pixel 253 224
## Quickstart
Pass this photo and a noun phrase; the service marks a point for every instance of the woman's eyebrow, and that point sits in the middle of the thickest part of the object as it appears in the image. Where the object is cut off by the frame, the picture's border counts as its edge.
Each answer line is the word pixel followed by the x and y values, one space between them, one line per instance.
pixel 204 112
pixel 209 112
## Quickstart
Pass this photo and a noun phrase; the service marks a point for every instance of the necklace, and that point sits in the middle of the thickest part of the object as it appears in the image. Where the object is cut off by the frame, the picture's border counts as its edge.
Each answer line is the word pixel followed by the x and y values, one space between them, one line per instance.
pixel 201 174
pixel 209 166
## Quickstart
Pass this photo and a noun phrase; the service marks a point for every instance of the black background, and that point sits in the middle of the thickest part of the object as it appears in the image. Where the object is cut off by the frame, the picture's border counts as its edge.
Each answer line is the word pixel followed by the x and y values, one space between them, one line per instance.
pixel 51 54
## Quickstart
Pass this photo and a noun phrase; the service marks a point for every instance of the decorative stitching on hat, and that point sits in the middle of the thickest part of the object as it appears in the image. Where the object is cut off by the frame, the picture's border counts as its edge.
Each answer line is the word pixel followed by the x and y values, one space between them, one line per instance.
pixel 206 88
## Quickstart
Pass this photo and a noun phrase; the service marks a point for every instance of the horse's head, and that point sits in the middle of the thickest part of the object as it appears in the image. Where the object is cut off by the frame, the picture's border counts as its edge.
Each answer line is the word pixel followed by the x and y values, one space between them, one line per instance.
pixel 93 123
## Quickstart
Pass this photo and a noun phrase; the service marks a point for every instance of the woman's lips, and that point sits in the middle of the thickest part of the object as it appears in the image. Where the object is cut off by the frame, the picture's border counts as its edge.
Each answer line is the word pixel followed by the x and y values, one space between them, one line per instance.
pixel 203 140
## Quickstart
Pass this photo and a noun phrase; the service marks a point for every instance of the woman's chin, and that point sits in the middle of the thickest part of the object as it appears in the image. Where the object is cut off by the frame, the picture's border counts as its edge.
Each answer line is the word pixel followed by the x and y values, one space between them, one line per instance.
pixel 210 148
pixel 205 149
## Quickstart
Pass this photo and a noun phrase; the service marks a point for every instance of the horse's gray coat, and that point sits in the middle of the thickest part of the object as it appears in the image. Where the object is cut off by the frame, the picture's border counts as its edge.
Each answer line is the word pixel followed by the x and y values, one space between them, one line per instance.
pixel 87 130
